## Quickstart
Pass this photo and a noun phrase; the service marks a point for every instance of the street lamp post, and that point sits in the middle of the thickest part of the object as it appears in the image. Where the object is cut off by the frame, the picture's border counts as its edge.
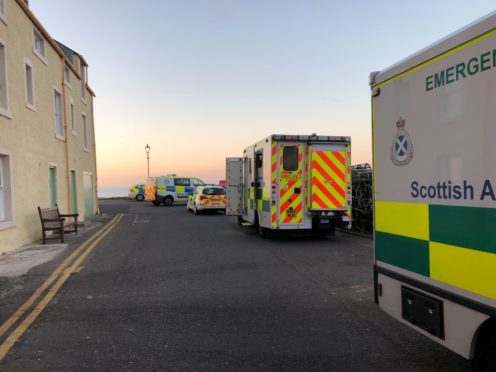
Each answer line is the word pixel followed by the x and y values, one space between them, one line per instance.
pixel 147 149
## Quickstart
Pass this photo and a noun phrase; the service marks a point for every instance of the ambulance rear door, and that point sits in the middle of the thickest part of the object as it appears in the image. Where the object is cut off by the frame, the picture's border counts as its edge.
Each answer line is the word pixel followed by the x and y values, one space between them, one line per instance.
pixel 234 186
pixel 290 177
pixel 328 177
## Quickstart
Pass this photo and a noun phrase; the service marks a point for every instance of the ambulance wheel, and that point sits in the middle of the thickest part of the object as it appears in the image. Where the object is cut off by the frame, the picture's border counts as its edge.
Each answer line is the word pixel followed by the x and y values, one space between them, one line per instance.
pixel 140 197
pixel 485 349
pixel 155 202
pixel 196 211
pixel 168 201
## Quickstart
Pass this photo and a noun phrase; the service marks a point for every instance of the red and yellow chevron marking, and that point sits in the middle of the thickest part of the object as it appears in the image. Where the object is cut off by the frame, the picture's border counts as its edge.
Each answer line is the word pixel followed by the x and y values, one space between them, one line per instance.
pixel 214 200
pixel 307 194
pixel 273 207
pixel 290 203
pixel 150 193
pixel 329 175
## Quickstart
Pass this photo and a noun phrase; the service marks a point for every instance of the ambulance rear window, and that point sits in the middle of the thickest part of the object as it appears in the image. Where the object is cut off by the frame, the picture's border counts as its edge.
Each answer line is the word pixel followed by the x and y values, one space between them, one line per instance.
pixel 290 158
pixel 214 191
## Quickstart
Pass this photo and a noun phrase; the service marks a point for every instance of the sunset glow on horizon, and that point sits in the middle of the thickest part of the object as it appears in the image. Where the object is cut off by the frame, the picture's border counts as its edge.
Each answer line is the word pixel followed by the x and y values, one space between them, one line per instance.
pixel 201 80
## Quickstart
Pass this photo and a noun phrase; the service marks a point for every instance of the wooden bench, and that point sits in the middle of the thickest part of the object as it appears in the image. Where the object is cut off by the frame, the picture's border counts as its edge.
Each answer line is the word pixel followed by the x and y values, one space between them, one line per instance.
pixel 52 220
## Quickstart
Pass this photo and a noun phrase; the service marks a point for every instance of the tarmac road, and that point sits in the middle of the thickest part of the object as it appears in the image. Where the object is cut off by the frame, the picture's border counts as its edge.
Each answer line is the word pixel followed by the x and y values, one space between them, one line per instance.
pixel 166 290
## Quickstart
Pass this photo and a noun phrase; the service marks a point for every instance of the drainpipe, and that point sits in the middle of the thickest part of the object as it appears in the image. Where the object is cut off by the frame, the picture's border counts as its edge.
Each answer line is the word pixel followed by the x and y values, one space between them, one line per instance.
pixel 94 152
pixel 67 176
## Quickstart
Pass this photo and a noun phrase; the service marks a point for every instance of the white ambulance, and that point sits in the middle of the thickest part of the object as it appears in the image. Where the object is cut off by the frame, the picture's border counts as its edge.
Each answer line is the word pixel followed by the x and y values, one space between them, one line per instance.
pixel 292 182
pixel 434 133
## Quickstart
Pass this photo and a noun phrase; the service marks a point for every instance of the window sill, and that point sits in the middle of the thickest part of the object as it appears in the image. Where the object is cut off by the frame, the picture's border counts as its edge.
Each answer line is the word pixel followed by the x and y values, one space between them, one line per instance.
pixel 86 150
pixel 74 133
pixel 42 58
pixel 31 107
pixel 6 112
pixel 68 85
pixel 60 138
pixel 7 224
pixel 83 100
pixel 3 18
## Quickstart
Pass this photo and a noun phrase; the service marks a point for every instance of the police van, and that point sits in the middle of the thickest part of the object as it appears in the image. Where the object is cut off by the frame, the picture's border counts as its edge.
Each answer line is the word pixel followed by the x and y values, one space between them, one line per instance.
pixel 172 189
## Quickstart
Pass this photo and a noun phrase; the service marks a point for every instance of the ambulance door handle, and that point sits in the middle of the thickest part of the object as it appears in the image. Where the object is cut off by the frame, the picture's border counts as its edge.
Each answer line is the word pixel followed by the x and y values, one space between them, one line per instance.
pixel 297 190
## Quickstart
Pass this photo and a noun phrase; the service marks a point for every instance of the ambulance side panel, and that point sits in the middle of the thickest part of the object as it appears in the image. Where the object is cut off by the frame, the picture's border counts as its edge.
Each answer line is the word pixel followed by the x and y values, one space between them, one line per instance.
pixel 435 189
pixel 263 192
pixel 248 208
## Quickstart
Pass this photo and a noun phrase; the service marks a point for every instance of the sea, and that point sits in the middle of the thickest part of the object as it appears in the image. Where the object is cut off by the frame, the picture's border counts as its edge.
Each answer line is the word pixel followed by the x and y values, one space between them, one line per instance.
pixel 113 192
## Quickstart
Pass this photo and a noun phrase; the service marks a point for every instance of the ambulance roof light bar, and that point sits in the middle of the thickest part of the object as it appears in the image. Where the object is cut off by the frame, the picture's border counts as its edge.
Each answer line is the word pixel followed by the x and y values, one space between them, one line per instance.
pixel 313 137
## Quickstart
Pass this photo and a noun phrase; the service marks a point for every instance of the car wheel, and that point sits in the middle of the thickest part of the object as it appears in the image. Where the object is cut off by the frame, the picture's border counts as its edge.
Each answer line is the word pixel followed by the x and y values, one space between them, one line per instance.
pixel 140 197
pixel 240 220
pixel 168 201
pixel 196 211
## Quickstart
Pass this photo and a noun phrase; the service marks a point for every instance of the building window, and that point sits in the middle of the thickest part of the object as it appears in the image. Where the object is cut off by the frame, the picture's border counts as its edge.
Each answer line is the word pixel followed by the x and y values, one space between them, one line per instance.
pixel 85 133
pixel 73 122
pixel 67 76
pixel 39 45
pixel 83 91
pixel 83 81
pixel 6 210
pixel 3 15
pixel 29 85
pixel 2 191
pixel 4 99
pixel 59 124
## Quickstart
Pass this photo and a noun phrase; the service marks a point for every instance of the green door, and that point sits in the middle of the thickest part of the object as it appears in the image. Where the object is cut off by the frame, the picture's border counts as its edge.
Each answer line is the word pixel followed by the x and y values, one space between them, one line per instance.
pixel 88 195
pixel 74 205
pixel 52 185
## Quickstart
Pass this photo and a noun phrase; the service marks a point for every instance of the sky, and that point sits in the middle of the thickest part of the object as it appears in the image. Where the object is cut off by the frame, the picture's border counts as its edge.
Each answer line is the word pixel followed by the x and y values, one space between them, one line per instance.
pixel 200 80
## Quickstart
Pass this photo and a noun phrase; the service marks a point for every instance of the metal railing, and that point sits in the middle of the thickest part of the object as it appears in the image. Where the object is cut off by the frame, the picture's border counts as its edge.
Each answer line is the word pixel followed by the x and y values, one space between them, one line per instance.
pixel 361 212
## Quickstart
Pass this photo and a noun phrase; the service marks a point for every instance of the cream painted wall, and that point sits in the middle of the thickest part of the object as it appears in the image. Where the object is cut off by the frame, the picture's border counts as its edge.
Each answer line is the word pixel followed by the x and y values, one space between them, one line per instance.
pixel 30 135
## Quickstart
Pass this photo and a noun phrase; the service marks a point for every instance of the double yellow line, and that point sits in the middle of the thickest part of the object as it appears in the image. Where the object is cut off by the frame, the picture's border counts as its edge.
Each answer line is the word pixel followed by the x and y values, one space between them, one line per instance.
pixel 62 273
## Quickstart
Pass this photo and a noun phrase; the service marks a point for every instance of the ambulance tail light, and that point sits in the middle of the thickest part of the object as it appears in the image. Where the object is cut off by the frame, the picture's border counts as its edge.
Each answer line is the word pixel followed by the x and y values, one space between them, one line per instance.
pixel 203 197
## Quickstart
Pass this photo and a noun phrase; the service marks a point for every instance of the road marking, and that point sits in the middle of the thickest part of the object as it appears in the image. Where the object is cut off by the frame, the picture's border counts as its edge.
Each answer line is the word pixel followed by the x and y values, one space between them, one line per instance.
pixel 139 221
pixel 5 326
pixel 62 269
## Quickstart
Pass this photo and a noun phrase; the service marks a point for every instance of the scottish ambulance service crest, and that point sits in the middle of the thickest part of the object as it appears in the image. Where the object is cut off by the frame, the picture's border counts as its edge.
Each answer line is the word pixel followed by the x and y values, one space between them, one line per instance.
pixel 402 148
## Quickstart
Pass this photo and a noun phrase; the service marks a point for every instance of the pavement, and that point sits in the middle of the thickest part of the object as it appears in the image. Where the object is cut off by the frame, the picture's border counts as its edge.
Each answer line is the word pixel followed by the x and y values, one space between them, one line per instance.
pixel 20 260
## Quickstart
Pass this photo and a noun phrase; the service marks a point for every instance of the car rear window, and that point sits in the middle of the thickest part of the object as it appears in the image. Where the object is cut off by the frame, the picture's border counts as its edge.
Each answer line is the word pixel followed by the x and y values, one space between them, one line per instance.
pixel 213 191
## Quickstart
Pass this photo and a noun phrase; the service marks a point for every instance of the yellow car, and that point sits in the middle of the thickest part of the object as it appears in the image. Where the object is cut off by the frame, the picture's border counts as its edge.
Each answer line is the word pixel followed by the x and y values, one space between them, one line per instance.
pixel 208 197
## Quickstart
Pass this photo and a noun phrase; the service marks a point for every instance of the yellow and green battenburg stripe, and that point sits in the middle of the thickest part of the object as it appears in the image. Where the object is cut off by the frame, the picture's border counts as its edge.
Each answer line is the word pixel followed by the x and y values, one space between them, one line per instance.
pixel 451 244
